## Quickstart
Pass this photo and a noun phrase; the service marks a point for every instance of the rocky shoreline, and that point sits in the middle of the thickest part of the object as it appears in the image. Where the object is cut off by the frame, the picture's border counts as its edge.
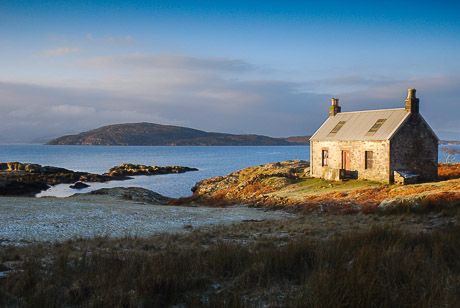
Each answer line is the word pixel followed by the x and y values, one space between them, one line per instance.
pixel 26 179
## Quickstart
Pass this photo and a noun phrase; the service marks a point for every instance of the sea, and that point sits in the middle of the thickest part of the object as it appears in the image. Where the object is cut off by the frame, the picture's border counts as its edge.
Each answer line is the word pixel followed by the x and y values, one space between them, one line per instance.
pixel 210 160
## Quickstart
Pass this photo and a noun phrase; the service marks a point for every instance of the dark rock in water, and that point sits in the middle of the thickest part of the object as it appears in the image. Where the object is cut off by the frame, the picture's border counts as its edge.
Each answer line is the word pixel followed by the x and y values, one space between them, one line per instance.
pixel 18 188
pixel 133 193
pixel 24 179
pixel 79 185
pixel 135 169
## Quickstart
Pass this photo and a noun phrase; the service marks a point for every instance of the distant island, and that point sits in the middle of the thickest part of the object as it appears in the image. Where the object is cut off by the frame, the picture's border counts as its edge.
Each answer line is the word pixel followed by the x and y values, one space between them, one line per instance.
pixel 151 134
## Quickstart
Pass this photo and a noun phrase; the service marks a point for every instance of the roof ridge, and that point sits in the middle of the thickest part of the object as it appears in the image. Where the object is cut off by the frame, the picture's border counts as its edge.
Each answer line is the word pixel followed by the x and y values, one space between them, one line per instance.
pixel 372 110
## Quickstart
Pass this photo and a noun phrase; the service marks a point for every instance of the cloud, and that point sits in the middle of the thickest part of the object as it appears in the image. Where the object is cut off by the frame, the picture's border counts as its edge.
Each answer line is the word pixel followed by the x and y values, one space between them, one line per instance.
pixel 30 112
pixel 213 94
pixel 110 40
pixel 60 51
pixel 150 62
pixel 437 94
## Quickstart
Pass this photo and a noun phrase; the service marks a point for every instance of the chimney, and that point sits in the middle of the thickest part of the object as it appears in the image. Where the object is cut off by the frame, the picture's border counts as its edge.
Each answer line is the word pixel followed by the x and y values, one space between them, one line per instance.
pixel 334 108
pixel 412 102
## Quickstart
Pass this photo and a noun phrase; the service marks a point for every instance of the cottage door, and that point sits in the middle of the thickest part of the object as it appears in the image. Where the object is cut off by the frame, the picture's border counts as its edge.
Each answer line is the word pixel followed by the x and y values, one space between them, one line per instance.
pixel 346 160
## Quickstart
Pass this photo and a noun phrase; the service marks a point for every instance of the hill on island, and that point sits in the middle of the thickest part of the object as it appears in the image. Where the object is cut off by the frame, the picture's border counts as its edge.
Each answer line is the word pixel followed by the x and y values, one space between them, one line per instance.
pixel 146 134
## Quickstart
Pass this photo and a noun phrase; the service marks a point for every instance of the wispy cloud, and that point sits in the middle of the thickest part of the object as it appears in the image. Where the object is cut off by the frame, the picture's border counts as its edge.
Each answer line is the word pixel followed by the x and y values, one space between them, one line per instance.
pixel 215 94
pixel 60 51
pixel 110 40
pixel 149 62
pixel 438 100
pixel 31 112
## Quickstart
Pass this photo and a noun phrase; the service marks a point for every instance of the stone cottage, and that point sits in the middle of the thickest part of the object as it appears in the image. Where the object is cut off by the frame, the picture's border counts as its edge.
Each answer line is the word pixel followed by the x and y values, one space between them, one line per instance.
pixel 387 145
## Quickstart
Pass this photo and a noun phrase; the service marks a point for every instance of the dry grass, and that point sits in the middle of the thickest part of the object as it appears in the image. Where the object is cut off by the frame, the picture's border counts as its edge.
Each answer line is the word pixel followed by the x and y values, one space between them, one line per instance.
pixel 449 171
pixel 377 268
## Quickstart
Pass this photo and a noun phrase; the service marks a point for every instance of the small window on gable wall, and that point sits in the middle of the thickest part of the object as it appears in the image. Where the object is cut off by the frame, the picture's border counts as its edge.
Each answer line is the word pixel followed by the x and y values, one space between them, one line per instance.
pixel 369 159
pixel 324 158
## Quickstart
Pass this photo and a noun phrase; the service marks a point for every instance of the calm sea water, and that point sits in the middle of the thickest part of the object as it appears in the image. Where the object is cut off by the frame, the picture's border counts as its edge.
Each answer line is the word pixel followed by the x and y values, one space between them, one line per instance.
pixel 211 161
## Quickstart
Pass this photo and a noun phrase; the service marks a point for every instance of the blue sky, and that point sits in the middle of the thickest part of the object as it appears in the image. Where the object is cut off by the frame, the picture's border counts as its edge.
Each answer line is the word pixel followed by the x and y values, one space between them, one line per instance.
pixel 267 67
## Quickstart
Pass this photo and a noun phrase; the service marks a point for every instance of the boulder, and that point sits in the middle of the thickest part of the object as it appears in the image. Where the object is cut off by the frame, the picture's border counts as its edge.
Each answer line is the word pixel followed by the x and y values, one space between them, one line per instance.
pixel 79 185
pixel 133 193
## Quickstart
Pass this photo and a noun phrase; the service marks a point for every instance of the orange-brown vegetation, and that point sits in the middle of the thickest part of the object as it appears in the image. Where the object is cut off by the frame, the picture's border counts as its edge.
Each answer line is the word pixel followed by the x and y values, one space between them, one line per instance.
pixel 449 171
pixel 283 185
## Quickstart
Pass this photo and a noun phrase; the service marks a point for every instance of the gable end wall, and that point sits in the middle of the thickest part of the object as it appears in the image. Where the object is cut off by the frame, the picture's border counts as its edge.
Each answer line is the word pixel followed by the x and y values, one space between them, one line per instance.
pixel 414 148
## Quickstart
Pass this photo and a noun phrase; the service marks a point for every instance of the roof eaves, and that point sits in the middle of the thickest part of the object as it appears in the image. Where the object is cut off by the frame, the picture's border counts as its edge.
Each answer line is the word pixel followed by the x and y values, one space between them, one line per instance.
pixel 324 123
pixel 429 127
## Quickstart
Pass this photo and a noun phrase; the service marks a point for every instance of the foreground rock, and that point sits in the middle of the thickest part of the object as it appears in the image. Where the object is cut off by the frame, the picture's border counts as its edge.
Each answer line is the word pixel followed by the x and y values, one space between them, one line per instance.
pixel 135 169
pixel 137 194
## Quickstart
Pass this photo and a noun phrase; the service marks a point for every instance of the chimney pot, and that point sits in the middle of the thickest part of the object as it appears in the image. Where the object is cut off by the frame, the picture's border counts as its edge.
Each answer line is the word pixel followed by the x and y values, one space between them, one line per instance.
pixel 334 108
pixel 412 102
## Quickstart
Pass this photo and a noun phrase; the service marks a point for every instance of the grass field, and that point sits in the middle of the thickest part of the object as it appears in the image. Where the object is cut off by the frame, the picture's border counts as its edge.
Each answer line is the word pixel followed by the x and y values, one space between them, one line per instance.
pixel 380 267
pixel 313 186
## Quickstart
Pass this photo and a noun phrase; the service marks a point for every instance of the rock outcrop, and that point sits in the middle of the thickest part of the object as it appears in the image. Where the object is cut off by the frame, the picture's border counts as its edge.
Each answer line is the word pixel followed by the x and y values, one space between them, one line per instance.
pixel 133 193
pixel 24 179
pixel 136 169
pixel 249 185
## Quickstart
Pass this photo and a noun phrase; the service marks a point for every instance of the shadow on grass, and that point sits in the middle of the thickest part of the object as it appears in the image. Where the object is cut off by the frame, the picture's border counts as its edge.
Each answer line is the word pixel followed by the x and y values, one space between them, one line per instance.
pixel 380 268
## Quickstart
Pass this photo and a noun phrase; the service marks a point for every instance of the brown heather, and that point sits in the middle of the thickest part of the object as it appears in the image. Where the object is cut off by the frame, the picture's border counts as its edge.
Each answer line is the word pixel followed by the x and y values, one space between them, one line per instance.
pixel 377 268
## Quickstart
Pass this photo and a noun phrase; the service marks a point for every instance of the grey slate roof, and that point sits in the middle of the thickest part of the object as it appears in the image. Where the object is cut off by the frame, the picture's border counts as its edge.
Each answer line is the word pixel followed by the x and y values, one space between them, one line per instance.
pixel 358 123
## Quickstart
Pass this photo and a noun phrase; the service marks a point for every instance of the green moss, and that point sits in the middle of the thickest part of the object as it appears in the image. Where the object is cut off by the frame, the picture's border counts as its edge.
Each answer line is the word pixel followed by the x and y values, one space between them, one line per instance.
pixel 315 186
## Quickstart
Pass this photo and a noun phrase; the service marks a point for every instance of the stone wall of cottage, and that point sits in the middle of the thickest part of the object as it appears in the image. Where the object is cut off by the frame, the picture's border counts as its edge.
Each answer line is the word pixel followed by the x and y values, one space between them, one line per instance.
pixel 381 165
pixel 414 148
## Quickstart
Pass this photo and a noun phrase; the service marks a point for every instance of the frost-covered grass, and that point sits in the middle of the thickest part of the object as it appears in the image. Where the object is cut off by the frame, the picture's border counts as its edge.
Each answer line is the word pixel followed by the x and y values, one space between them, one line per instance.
pixel 25 220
